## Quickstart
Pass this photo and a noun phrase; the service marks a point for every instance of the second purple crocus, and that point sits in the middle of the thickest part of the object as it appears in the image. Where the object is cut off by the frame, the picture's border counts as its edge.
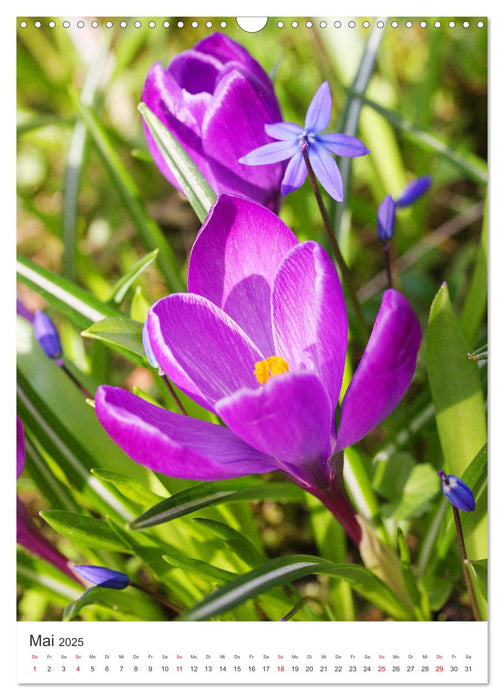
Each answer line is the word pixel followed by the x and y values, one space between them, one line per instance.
pixel 260 339
pixel 215 99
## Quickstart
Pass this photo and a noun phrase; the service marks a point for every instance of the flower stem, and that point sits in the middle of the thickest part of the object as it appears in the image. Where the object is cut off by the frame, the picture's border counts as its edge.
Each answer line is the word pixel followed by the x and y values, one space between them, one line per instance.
pixel 74 379
pixel 174 395
pixel 334 496
pixel 344 269
pixel 463 555
pixel 157 598
pixel 388 266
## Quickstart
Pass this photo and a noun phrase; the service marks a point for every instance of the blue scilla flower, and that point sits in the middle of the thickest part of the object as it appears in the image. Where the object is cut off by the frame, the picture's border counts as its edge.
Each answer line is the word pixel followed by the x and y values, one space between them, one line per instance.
pixel 457 492
pixel 101 576
pixel 387 210
pixel 47 335
pixel 292 140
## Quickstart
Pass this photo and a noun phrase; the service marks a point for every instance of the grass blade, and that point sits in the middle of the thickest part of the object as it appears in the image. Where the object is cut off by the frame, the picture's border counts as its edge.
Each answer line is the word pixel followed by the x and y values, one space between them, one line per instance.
pixel 75 303
pixel 195 187
pixel 468 163
pixel 147 228
pixel 211 494
pixel 288 568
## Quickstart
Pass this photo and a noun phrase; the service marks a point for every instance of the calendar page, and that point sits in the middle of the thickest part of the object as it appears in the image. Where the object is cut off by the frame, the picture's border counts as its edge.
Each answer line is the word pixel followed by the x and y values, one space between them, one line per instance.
pixel 251 331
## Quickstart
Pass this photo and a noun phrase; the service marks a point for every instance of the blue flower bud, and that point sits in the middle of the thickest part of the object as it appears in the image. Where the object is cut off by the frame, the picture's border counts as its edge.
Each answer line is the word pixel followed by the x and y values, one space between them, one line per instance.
pixel 414 190
pixel 457 492
pixel 47 335
pixel 101 576
pixel 149 353
pixel 386 219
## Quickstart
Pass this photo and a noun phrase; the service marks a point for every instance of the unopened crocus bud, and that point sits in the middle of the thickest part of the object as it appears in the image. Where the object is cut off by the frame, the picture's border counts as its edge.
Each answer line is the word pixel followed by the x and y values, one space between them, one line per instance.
pixel 47 335
pixel 386 219
pixel 457 492
pixel 101 576
pixel 413 191
pixel 216 100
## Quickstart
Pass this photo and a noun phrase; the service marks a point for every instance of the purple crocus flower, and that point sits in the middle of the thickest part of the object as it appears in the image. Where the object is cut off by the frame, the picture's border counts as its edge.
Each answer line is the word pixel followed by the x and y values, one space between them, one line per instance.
pixel 457 492
pixel 101 576
pixel 260 339
pixel 292 139
pixel 28 535
pixel 215 99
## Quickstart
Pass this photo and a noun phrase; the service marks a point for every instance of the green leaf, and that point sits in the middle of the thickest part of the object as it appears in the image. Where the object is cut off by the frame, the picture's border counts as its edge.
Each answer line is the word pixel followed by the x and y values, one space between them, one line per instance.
pixel 437 590
pixel 474 309
pixel 139 306
pixel 418 486
pixel 479 572
pixel 455 387
pixel 149 550
pixel 147 228
pixel 83 529
pixel 122 604
pixel 420 603
pixel 34 572
pixel 198 567
pixel 119 332
pixel 193 184
pixel 75 303
pixel 237 543
pixel 289 568
pixel 122 286
pixel 213 493
pixel 55 394
pixel 135 492
pixel 57 444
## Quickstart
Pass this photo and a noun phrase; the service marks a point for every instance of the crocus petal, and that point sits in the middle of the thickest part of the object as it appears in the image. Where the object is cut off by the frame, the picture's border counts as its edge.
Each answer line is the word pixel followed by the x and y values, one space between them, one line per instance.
pixel 414 190
pixel 20 447
pixel 101 576
pixel 284 131
pixel 173 444
pixel 201 349
pixel 343 145
pixel 384 372
pixel 195 71
pixel 270 153
pixel 318 114
pixel 385 220
pixel 234 261
pixel 29 537
pixel 289 418
pixel 234 126
pixel 295 173
pixel 168 101
pixel 149 353
pixel 224 49
pixel 327 172
pixel 310 325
